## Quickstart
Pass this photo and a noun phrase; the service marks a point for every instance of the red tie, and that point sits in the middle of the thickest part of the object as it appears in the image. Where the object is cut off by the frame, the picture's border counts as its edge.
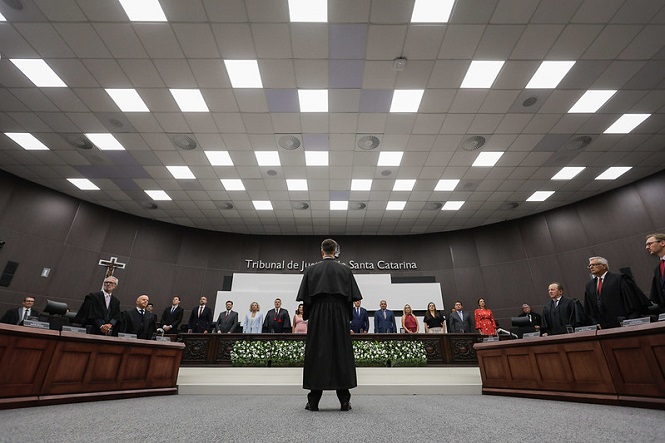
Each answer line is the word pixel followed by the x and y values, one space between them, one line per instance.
pixel 227 314
pixel 200 310
pixel 662 268
pixel 600 285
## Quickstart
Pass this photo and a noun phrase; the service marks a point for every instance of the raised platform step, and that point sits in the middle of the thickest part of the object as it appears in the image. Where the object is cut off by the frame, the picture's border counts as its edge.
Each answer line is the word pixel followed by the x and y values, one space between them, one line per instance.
pixel 372 381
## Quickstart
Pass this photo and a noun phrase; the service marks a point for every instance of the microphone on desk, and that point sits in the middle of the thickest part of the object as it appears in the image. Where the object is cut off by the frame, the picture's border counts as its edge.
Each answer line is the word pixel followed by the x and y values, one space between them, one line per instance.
pixel 500 330
pixel 160 331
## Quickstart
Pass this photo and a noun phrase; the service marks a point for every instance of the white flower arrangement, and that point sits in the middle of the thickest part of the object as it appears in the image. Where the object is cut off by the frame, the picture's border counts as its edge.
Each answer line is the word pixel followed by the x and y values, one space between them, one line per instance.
pixel 292 353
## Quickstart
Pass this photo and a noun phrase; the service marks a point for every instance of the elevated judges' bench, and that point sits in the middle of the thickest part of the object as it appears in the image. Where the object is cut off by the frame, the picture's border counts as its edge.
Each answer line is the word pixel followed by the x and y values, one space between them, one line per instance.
pixel 42 367
pixel 622 366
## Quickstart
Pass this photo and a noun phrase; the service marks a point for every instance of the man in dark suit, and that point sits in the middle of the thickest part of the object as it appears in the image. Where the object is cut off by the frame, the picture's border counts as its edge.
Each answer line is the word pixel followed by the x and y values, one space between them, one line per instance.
pixel 227 322
pixel 18 315
pixel 139 320
pixel 534 318
pixel 101 310
pixel 172 316
pixel 360 319
pixel 384 320
pixel 200 319
pixel 560 312
pixel 610 298
pixel 460 321
pixel 655 244
pixel 277 320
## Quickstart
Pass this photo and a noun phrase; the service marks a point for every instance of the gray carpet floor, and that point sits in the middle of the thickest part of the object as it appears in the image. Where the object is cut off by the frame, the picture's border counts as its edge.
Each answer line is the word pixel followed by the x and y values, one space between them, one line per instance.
pixel 374 418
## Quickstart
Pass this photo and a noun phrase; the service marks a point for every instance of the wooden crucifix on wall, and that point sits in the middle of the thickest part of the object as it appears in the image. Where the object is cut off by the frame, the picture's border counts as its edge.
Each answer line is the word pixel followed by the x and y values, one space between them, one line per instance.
pixel 111 265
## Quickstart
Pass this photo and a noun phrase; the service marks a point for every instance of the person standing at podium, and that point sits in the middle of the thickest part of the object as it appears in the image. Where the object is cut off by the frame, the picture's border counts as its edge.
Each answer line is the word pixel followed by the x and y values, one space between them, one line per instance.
pixel 18 315
pixel 560 313
pixel 327 291
pixel 101 310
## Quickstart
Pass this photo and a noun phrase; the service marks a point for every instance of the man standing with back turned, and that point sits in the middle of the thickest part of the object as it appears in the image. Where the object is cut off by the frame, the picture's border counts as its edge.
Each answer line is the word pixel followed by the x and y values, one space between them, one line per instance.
pixel 327 291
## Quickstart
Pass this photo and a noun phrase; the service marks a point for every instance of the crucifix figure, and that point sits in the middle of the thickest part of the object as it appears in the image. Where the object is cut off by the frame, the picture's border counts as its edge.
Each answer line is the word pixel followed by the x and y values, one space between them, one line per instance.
pixel 111 265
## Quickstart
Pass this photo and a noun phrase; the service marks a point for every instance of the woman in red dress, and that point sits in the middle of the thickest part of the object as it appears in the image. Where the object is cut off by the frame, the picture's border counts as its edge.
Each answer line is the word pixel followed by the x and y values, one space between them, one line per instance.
pixel 485 323
pixel 409 321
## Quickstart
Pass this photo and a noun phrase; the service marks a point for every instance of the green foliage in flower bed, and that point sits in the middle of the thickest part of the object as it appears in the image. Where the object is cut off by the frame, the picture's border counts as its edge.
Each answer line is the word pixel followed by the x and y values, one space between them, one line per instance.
pixel 292 353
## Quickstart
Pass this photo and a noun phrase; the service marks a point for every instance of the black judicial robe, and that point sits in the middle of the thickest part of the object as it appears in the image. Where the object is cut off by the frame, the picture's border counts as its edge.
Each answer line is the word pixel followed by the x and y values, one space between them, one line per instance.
pixel 619 297
pixel 327 291
pixel 144 326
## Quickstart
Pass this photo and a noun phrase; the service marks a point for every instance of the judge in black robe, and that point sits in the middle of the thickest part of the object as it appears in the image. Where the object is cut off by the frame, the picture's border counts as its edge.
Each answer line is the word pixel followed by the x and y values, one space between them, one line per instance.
pixel 619 297
pixel 561 312
pixel 94 312
pixel 327 291
pixel 139 321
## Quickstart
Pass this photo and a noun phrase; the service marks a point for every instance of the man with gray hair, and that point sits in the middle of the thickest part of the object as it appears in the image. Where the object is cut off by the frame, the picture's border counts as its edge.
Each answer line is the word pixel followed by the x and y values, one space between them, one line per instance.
pixel 655 244
pixel 610 298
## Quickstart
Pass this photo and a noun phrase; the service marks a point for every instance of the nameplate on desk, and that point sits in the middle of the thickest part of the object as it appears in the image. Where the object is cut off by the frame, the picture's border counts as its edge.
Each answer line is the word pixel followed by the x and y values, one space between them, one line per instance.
pixel 73 329
pixel 490 339
pixel 531 334
pixel 636 321
pixel 586 328
pixel 661 317
pixel 36 324
pixel 124 335
pixel 160 338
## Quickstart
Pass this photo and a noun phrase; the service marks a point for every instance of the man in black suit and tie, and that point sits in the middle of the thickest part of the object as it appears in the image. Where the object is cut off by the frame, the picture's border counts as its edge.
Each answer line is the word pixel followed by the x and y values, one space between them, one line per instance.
pixel 18 315
pixel 534 318
pixel 101 310
pixel 227 322
pixel 200 319
pixel 655 244
pixel 277 320
pixel 360 319
pixel 460 321
pixel 610 298
pixel 139 320
pixel 172 316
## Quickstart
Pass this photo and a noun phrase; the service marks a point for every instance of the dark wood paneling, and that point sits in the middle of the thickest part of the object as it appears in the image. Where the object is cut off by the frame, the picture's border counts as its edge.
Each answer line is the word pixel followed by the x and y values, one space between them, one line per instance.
pixel 463 250
pixel 34 211
pixel 147 277
pixel 53 367
pixel 158 241
pixel 566 229
pixel 499 244
pixel 470 287
pixel 536 236
pixel 651 192
pixel 119 240
pixel 622 215
pixel 195 248
pixel 89 228
pixel 619 366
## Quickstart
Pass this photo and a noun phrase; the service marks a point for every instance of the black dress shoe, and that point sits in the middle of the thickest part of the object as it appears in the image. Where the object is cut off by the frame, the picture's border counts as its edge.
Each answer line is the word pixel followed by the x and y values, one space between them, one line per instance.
pixel 311 408
pixel 345 407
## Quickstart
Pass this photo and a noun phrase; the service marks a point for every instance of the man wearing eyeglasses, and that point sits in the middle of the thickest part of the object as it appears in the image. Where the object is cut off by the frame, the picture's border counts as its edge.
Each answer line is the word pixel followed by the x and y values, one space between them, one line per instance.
pixel 655 244
pixel 610 298
pixel 101 310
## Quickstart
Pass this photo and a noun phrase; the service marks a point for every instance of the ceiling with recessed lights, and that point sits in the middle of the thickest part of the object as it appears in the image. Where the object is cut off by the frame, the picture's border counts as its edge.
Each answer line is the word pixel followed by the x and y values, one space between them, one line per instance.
pixel 373 117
